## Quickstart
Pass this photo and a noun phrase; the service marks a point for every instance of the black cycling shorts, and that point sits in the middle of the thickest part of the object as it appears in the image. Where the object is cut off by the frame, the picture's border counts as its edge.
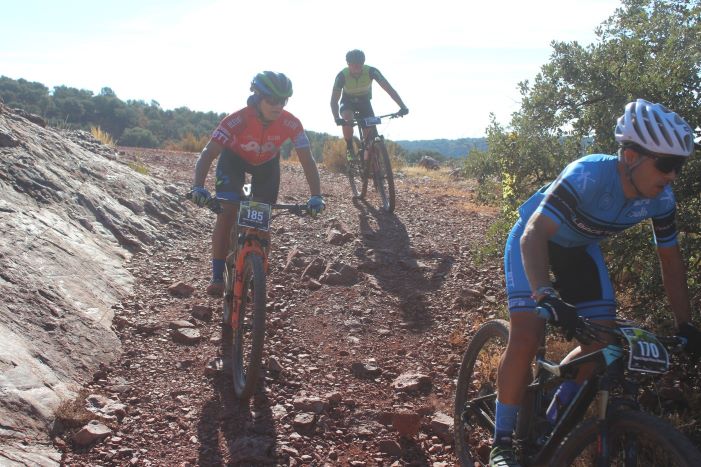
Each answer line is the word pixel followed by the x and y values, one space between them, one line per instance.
pixel 357 104
pixel 231 176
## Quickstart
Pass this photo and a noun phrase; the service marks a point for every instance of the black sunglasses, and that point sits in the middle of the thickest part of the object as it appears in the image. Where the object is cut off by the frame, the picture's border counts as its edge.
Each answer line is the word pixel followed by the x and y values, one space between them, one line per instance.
pixel 272 100
pixel 666 164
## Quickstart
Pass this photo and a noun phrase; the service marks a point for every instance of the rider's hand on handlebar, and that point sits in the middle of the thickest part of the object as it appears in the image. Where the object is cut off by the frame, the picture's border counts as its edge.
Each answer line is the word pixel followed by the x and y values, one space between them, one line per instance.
pixel 340 121
pixel 403 111
pixel 692 334
pixel 564 315
pixel 315 205
pixel 199 195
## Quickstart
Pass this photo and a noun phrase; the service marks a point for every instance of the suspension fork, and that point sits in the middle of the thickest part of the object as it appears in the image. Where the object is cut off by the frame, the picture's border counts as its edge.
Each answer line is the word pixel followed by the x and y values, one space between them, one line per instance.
pixel 250 243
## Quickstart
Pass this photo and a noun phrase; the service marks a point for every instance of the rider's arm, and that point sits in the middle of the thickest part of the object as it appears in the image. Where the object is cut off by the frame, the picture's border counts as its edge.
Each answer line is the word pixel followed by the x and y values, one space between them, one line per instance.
pixel 674 280
pixel 310 171
pixel 204 162
pixel 335 96
pixel 534 250
pixel 384 84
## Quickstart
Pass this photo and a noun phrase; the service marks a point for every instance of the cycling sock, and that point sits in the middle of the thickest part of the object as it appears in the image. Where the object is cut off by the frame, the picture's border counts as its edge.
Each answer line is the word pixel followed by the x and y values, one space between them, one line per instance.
pixel 218 270
pixel 505 422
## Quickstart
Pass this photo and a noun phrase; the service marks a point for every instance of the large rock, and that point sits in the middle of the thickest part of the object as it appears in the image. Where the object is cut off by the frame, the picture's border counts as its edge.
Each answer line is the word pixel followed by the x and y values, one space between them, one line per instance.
pixel 68 222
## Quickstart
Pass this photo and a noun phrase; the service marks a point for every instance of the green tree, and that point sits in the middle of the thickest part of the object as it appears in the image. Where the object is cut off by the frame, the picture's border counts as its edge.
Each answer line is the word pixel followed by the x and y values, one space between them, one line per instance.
pixel 647 49
pixel 32 97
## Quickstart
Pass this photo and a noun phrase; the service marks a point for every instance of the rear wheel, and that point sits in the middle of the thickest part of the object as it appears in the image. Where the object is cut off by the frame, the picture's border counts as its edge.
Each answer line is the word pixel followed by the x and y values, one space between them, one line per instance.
pixel 249 336
pixel 475 395
pixel 635 439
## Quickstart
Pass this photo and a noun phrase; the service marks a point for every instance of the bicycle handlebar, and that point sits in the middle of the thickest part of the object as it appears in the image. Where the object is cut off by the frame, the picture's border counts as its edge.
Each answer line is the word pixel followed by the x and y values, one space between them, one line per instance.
pixel 214 205
pixel 588 331
pixel 357 120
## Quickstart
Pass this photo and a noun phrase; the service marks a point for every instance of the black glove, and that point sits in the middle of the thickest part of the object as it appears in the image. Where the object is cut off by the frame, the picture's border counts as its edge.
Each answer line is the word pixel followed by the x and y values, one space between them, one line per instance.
pixel 403 111
pixel 564 315
pixel 340 122
pixel 692 334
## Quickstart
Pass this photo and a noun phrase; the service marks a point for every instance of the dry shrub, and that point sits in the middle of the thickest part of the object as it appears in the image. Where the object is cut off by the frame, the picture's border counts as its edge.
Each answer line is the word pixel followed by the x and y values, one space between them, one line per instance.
pixel 72 413
pixel 102 136
pixel 188 143
pixel 335 155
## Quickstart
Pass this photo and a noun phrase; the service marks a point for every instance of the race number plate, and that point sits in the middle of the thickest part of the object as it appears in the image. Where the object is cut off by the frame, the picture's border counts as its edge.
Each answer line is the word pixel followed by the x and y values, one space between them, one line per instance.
pixel 646 354
pixel 370 121
pixel 255 215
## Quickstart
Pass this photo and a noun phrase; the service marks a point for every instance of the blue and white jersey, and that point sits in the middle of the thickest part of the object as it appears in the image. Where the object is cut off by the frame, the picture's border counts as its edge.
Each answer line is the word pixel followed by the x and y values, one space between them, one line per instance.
pixel 588 204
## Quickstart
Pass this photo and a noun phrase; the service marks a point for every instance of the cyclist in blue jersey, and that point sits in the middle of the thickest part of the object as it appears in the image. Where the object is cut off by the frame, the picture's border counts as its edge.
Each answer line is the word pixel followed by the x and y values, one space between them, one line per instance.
pixel 353 86
pixel 559 231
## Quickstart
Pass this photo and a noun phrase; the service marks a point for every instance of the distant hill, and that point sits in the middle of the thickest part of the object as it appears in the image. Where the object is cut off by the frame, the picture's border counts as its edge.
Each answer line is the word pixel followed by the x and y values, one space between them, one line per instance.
pixel 448 147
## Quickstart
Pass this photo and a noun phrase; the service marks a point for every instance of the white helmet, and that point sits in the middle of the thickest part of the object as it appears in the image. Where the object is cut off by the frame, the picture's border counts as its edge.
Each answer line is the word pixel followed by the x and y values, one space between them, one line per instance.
pixel 655 128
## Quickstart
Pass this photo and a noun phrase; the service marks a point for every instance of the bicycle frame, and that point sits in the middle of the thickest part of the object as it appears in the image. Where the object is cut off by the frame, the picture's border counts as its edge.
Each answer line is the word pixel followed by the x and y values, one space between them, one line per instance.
pixel 609 371
pixel 608 367
pixel 366 136
pixel 246 241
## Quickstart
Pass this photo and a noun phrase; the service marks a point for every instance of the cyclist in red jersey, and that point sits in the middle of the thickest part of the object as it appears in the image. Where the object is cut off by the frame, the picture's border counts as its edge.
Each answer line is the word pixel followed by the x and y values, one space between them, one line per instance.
pixel 353 86
pixel 249 142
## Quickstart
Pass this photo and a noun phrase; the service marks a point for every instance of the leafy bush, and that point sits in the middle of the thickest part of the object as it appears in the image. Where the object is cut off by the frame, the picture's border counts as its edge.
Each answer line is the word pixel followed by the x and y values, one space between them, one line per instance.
pixel 138 137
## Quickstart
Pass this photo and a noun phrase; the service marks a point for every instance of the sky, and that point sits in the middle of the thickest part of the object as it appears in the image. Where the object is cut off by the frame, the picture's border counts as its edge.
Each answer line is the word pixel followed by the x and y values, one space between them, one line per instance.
pixel 452 62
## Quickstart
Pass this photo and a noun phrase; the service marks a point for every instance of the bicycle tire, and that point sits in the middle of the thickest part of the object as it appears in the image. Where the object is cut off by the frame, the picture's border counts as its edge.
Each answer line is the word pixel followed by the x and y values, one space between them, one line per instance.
pixel 354 172
pixel 633 433
pixel 247 345
pixel 384 178
pixel 484 351
pixel 229 274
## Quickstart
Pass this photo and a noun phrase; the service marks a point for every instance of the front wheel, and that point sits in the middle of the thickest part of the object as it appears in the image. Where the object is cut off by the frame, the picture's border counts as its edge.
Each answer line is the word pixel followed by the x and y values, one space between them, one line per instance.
pixel 475 395
pixel 382 175
pixel 248 338
pixel 354 171
pixel 635 439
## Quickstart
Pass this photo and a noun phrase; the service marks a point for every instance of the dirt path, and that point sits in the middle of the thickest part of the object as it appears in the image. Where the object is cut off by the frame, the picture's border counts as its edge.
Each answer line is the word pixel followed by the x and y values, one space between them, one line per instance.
pixel 338 357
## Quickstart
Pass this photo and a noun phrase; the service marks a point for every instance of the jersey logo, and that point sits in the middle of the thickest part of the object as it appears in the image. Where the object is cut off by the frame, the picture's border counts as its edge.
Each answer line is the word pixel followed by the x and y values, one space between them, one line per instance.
pixel 668 199
pixel 640 212
pixel 234 122
pixel 582 179
pixel 605 202
pixel 253 146
pixel 221 136
pixel 290 124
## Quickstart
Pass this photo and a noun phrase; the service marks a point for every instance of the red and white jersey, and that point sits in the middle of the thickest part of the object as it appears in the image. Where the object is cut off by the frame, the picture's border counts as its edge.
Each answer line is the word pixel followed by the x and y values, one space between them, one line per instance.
pixel 244 134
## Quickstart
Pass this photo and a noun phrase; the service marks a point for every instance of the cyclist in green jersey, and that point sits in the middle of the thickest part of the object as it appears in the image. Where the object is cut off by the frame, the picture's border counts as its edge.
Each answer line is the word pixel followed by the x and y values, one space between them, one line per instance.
pixel 353 86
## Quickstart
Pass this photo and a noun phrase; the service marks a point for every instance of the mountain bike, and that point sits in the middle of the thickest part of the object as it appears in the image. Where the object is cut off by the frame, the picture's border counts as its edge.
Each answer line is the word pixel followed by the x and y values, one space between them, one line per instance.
pixel 244 298
pixel 616 433
pixel 371 161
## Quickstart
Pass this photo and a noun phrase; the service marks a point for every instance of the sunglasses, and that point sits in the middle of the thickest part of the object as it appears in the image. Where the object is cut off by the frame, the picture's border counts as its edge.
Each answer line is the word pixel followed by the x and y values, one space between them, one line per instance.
pixel 666 164
pixel 272 100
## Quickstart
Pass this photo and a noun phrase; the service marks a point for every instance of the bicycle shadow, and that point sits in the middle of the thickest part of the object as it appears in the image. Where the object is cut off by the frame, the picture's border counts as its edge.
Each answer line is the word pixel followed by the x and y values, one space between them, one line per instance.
pixel 388 256
pixel 244 433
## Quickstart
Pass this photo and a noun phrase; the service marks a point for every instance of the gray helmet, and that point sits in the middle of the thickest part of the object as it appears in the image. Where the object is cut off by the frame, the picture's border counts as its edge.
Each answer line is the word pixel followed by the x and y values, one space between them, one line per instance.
pixel 269 83
pixel 655 128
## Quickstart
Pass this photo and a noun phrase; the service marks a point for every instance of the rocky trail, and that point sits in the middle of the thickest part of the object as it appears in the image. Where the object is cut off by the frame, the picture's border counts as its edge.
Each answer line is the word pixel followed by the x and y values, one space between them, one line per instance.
pixel 368 315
